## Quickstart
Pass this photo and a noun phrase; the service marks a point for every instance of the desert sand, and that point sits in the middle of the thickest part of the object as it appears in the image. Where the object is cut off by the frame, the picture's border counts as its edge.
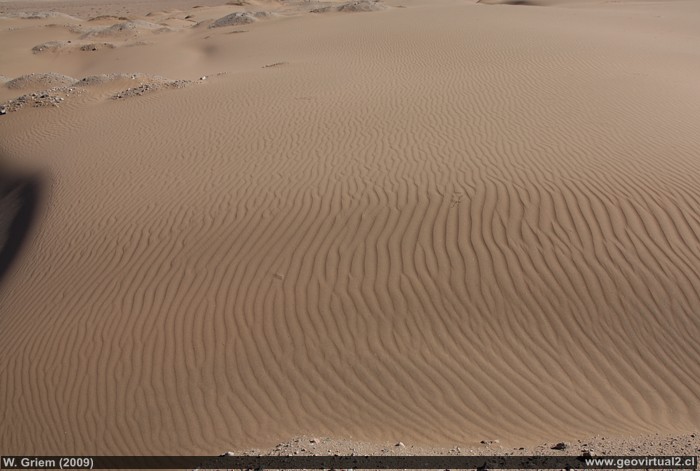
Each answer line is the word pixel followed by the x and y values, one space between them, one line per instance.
pixel 435 221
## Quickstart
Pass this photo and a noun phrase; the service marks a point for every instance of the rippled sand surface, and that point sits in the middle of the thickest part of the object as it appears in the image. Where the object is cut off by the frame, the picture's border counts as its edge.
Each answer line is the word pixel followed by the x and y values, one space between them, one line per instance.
pixel 439 220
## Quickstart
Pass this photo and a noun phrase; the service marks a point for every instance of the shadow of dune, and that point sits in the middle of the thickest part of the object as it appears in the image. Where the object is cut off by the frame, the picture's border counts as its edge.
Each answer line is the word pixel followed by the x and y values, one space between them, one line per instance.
pixel 19 203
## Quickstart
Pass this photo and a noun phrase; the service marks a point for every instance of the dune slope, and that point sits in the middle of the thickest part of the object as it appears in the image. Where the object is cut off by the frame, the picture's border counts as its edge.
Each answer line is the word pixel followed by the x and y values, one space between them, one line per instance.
pixel 439 223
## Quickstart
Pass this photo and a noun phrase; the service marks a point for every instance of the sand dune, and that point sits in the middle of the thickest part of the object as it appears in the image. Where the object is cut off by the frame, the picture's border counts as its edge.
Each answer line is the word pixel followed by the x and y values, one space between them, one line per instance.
pixel 438 224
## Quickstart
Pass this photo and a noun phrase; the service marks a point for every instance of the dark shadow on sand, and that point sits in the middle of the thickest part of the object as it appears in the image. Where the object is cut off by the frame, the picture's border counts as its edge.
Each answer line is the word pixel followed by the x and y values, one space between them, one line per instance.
pixel 19 204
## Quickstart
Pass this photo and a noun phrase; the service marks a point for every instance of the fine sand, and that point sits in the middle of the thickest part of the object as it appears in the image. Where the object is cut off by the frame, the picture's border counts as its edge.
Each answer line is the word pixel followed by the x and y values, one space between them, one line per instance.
pixel 429 221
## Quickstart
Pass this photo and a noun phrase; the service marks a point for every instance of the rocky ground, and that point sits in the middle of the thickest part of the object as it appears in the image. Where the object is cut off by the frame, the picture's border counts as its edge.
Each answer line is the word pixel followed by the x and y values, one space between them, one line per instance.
pixel 645 445
pixel 66 87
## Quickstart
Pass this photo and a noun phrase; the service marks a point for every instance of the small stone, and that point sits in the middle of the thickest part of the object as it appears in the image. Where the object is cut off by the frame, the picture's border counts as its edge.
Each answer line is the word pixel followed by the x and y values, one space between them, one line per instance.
pixel 400 445
pixel 560 446
pixel 3 110
pixel 313 440
pixel 228 453
pixel 587 453
pixel 204 77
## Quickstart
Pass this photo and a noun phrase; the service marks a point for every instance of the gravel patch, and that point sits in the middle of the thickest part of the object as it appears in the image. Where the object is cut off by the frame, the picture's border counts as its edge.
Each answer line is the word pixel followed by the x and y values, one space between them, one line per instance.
pixel 239 18
pixel 39 81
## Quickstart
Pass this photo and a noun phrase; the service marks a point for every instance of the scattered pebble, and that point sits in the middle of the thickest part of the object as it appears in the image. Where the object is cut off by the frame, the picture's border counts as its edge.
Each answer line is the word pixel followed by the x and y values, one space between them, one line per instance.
pixel 39 80
pixel 239 18
pixel 149 87
pixel 353 6
pixel 66 86
pixel 47 98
